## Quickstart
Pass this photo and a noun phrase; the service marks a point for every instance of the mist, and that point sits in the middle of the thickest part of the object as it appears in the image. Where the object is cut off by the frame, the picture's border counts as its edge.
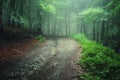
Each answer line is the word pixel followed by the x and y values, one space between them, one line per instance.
pixel 59 40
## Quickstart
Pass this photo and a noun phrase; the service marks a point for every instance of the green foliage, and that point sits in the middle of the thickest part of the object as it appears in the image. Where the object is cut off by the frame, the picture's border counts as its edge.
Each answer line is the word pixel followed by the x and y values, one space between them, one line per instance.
pixel 101 63
pixel 20 20
pixel 88 76
pixel 64 4
pixel 49 8
pixel 93 14
pixel 41 38
pixel 115 5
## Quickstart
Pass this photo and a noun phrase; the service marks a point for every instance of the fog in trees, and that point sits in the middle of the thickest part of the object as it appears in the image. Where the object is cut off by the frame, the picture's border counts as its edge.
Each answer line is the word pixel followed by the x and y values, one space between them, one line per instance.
pixel 97 19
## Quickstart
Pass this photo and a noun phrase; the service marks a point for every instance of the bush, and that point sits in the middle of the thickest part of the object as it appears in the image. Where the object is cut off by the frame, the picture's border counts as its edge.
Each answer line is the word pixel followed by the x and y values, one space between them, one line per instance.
pixel 100 61
pixel 41 38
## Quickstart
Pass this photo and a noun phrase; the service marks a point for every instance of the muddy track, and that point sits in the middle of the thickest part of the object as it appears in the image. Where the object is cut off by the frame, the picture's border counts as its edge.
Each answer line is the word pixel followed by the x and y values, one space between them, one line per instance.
pixel 56 59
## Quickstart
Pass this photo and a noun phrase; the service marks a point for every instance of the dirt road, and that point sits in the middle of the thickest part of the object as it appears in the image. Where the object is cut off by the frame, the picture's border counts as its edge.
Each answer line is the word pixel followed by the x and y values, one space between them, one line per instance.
pixel 55 59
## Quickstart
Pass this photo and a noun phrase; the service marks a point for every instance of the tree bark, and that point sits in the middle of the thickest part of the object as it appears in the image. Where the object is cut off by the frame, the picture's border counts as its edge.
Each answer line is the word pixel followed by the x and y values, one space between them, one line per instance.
pixel 1 28
pixel 94 30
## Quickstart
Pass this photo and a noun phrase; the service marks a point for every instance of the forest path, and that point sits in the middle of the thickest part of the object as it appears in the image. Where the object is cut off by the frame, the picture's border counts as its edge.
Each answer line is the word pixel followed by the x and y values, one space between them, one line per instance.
pixel 55 59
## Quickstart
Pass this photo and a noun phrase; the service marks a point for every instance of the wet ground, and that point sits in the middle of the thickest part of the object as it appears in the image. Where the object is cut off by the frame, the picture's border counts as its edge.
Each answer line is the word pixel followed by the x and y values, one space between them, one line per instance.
pixel 55 59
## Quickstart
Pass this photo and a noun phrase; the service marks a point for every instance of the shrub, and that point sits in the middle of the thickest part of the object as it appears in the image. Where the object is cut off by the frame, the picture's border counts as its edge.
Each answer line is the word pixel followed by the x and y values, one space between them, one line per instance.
pixel 41 38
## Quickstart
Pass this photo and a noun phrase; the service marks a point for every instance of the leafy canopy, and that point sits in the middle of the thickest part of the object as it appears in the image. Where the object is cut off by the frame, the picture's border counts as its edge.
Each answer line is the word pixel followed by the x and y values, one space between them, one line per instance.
pixel 48 7
pixel 93 14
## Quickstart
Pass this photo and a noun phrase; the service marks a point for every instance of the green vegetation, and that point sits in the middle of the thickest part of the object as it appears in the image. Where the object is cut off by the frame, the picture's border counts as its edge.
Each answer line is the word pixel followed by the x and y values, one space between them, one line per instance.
pixel 99 62
pixel 98 20
pixel 93 14
pixel 41 38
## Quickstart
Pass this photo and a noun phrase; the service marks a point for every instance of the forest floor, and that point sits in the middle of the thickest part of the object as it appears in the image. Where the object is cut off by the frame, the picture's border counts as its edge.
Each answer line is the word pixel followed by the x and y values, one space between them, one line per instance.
pixel 55 59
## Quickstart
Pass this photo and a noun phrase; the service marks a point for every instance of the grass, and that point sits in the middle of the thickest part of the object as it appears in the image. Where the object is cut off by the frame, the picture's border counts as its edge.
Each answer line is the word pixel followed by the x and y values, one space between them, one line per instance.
pixel 99 62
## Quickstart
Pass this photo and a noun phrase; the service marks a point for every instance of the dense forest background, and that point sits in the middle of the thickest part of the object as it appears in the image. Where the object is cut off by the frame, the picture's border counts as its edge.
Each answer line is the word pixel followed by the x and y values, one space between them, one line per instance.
pixel 97 19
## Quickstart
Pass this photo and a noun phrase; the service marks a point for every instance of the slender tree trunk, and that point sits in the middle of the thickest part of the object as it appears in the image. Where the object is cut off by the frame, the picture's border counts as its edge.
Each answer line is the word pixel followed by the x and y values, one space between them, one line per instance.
pixel 1 28
pixel 94 30
pixel 98 31
pixel 1 18
pixel 81 29
pixel 66 23
pixel 102 30
pixel 48 25
pixel 55 22
pixel 69 23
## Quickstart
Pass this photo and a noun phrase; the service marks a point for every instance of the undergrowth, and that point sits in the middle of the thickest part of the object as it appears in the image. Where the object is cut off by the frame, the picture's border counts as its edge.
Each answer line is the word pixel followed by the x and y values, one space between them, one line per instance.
pixel 41 38
pixel 99 62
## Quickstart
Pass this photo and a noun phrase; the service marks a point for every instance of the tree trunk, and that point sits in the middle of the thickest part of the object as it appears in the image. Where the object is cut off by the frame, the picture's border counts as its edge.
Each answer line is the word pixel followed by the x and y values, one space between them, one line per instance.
pixel 94 30
pixel 102 30
pixel 48 24
pixel 1 28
